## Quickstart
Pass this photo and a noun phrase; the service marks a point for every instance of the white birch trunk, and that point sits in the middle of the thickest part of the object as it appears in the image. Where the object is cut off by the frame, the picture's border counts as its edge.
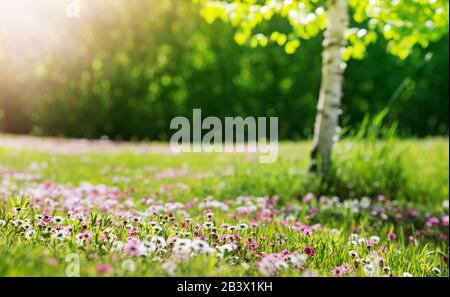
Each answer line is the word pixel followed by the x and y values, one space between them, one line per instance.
pixel 328 107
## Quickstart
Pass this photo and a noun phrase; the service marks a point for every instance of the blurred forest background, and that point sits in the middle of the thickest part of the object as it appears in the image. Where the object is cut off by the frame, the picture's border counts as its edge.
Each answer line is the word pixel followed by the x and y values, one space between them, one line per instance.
pixel 125 68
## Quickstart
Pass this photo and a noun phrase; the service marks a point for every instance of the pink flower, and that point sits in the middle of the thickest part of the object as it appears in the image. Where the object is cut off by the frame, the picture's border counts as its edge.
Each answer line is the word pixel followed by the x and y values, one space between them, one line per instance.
pixel 381 198
pixel 243 211
pixel 443 236
pixel 209 215
pixel 342 270
pixel 268 204
pixel 265 214
pixel 307 230
pixel 285 253
pixel 337 271
pixel 392 236
pixel 92 256
pixel 412 213
pixel 413 240
pixel 85 236
pixel 432 221
pixel 380 249
pixel 445 221
pixel 52 261
pixel 133 233
pixel 133 248
pixel 346 267
pixel 46 217
pixel 275 199
pixel 356 230
pixel 270 264
pixel 309 251
pixel 284 223
pixel 313 210
pixel 252 245
pixel 370 243
pixel 308 197
pixel 103 268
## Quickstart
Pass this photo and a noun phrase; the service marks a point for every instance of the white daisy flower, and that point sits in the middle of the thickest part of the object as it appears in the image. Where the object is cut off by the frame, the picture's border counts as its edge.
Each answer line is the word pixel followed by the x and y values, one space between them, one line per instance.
pixel 200 246
pixel 60 235
pixel 231 228
pixel 375 239
pixel 243 226
pixel 117 246
pixel 58 220
pixel 182 246
pixel 157 228
pixel 436 271
pixel 365 202
pixel 226 248
pixel 208 225
pixel 369 269
pixel 158 241
pixel 29 234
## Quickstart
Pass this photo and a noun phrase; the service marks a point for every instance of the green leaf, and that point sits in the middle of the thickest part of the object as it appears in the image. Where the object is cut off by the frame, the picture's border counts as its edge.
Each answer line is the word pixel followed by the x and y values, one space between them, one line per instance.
pixel 291 46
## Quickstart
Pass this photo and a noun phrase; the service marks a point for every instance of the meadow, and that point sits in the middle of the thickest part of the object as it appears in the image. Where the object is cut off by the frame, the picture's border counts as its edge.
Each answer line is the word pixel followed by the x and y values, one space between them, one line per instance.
pixel 101 208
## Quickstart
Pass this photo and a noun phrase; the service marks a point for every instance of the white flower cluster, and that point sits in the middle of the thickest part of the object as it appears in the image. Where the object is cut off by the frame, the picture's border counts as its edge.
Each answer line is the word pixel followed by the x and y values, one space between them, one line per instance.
pixel 210 203
pixel 186 248
pixel 225 249
pixel 373 264
pixel 272 264
pixel 155 244
pixel 163 208
pixel 356 240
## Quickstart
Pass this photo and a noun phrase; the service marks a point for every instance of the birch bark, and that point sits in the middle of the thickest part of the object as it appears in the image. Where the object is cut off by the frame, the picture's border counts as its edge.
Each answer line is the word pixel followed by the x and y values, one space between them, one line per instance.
pixel 329 104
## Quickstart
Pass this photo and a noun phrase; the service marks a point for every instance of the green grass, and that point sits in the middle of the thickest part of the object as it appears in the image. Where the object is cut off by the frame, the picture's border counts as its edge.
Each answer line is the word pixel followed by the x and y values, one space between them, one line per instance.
pixel 410 173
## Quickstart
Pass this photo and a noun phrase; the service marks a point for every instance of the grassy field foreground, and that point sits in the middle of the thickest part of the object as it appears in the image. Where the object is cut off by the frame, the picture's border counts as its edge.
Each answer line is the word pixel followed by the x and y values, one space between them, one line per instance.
pixel 100 208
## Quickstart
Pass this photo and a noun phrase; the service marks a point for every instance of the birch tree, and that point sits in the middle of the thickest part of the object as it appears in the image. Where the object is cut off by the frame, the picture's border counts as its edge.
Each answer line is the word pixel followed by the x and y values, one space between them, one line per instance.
pixel 405 24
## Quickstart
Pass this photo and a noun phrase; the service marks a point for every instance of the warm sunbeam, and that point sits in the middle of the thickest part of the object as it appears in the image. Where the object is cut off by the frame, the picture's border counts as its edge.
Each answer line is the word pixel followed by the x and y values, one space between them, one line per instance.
pixel 28 28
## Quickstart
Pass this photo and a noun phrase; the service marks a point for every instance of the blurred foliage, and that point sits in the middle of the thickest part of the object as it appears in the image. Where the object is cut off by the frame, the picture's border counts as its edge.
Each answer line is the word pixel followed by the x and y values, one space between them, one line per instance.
pixel 125 69
pixel 403 23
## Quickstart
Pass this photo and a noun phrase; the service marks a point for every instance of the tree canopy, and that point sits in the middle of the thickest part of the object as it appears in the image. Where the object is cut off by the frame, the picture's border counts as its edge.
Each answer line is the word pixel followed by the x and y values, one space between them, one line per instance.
pixel 403 23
